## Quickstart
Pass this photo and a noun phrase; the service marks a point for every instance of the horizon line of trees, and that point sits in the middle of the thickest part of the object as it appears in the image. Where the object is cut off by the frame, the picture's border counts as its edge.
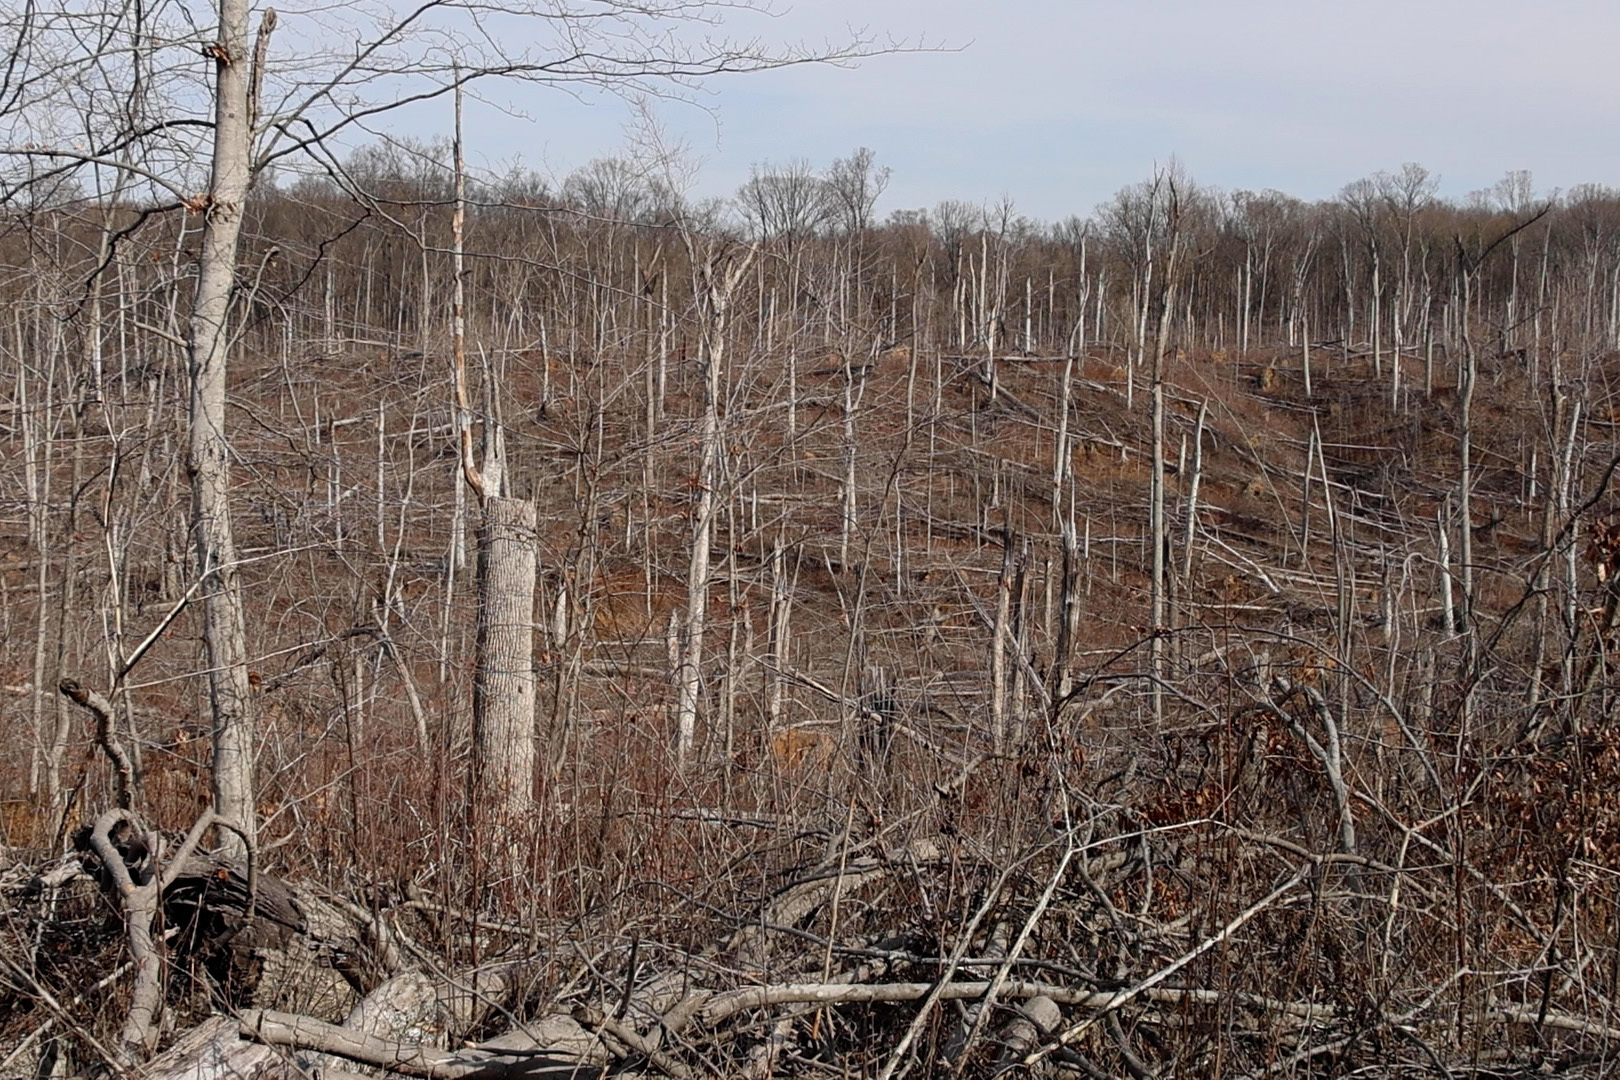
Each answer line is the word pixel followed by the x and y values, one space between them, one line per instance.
pixel 1380 266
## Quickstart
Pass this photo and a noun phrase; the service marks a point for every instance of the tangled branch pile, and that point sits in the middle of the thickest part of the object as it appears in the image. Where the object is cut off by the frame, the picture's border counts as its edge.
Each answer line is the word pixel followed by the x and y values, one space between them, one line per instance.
pixel 1010 923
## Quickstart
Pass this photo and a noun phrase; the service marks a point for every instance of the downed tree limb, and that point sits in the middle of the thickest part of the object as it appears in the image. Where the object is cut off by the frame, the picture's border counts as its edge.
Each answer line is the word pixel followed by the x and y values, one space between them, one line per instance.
pixel 124 783
pixel 18 975
pixel 726 1004
pixel 404 1007
pixel 212 1051
pixel 1017 949
pixel 137 889
pixel 558 1035
pixel 799 899
pixel 131 864
pixel 305 1033
pixel 1557 1021
pixel 898 1056
pixel 1036 1018
pixel 594 1020
pixel 406 1011
pixel 266 942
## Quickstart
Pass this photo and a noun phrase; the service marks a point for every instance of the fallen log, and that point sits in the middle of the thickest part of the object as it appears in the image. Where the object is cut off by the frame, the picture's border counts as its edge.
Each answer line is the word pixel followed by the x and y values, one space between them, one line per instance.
pixel 214 1051
pixel 719 1006
pixel 295 1032
pixel 558 1047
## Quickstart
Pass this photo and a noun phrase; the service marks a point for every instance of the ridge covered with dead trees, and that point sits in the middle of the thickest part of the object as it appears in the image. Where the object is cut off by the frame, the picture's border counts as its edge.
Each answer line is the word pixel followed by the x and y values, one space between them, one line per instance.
pixel 757 637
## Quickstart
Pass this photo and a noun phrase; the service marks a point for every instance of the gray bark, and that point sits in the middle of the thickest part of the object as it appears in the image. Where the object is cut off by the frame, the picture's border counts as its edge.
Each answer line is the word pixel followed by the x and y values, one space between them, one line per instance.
pixel 503 678
pixel 1157 522
pixel 1000 642
pixel 208 457
pixel 779 631
pixel 715 288
pixel 1192 495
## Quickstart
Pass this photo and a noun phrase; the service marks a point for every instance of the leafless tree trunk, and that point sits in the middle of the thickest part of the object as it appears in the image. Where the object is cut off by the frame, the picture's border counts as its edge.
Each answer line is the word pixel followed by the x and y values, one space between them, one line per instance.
pixel 1157 523
pixel 1068 619
pixel 1539 584
pixel 854 391
pixel 503 660
pixel 503 676
pixel 1060 445
pixel 1001 644
pixel 1467 377
pixel 779 635
pixel 717 278
pixel 1305 355
pixel 1570 550
pixel 208 460
pixel 1192 494
pixel 45 769
pixel 1448 603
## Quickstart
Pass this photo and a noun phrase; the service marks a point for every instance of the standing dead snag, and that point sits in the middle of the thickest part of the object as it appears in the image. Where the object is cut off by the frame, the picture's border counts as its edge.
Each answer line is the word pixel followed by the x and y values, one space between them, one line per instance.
pixel 1002 641
pixel 718 274
pixel 503 661
pixel 1158 526
pixel 503 678
pixel 208 453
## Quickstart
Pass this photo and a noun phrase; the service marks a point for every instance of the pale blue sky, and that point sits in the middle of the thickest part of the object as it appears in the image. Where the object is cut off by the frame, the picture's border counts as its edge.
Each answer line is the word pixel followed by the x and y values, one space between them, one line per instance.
pixel 1058 104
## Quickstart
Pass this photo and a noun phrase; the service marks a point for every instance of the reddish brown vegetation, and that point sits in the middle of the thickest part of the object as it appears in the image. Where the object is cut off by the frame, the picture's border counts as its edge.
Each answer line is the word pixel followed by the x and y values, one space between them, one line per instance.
pixel 1438 803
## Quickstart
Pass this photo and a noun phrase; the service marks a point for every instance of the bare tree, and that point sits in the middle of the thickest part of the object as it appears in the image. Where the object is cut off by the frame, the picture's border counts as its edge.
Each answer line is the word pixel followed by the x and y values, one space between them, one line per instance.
pixel 854 185
pixel 1169 195
pixel 717 269
pixel 225 623
pixel 784 203
pixel 612 189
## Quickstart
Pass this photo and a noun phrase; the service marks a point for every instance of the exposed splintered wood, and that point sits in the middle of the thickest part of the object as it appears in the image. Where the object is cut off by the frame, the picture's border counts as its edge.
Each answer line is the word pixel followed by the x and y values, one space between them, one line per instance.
pixel 215 1050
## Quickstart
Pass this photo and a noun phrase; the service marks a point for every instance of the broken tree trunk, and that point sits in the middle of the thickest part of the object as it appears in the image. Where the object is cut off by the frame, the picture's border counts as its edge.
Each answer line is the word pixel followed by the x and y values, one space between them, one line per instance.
pixel 502 780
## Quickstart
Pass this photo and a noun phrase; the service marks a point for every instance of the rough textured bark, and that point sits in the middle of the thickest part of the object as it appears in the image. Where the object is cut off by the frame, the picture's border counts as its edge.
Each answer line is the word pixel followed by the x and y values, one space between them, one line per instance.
pixel 208 458
pixel 215 1050
pixel 503 679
